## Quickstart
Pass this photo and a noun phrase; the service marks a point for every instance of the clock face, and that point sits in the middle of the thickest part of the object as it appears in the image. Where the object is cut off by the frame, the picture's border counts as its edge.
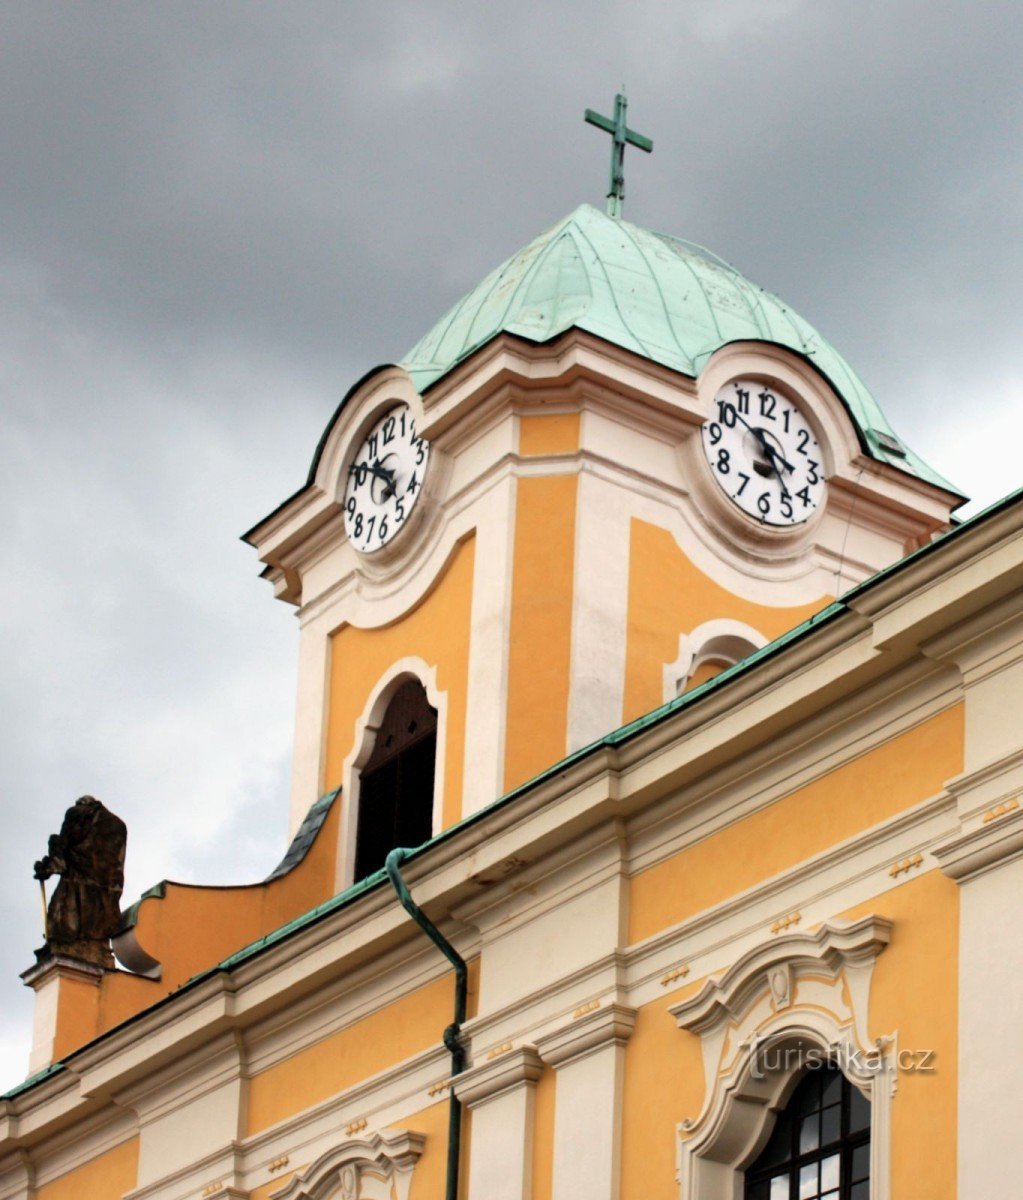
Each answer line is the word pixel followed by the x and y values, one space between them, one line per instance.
pixel 385 477
pixel 763 455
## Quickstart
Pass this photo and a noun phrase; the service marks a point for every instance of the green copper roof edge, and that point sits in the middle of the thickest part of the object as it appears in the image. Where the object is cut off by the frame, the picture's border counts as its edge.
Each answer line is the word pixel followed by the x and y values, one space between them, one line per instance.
pixel 827 614
pixel 33 1080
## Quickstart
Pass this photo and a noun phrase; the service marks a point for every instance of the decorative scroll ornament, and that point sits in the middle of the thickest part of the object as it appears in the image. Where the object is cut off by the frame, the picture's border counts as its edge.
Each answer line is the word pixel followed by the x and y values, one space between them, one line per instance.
pixel 376 1167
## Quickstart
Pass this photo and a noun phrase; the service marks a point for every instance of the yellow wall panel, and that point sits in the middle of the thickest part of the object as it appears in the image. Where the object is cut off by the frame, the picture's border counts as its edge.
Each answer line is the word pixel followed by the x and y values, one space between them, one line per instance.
pixel 663 1085
pixel 877 785
pixel 668 595
pixel 914 992
pixel 543 1135
pixel 541 626
pixel 380 1040
pixel 552 433
pixel 107 1177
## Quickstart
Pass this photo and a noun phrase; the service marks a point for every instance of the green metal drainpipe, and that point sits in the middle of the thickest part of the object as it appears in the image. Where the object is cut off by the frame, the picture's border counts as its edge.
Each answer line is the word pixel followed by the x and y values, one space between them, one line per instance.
pixel 451 1034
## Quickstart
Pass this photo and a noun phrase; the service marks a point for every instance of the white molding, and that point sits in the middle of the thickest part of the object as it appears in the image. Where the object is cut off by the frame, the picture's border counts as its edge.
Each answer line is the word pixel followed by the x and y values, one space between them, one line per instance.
pixel 970 854
pixel 720 640
pixel 835 947
pixel 493 1077
pixel 389 1157
pixel 604 1026
pixel 795 999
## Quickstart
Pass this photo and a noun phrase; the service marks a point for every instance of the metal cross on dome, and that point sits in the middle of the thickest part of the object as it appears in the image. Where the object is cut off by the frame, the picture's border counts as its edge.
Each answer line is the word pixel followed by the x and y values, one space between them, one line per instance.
pixel 620 134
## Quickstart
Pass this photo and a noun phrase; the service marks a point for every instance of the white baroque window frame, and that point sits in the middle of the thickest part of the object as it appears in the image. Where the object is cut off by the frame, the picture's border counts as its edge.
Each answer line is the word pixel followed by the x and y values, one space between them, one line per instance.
pixel 721 639
pixel 376 1167
pixel 752 1018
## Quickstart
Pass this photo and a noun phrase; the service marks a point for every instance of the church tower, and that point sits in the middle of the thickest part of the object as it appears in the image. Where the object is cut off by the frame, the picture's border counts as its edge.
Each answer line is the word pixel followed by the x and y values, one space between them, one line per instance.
pixel 613 469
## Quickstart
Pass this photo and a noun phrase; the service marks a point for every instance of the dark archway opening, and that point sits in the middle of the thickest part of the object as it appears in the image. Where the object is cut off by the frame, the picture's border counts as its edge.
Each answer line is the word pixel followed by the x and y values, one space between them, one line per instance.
pixel 396 784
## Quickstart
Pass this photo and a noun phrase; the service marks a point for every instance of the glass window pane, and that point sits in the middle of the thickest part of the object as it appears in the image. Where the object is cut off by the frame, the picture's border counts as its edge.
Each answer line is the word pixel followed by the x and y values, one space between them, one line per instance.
pixel 860 1191
pixel 779 1148
pixel 809 1133
pixel 861 1163
pixel 780 1187
pixel 859 1110
pixel 810 1092
pixel 831 1125
pixel 808 1189
pixel 832 1093
pixel 829 1172
pixel 757 1191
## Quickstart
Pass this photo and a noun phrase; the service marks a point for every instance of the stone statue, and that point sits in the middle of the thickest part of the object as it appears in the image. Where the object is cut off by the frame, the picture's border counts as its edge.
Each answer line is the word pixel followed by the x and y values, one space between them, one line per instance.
pixel 85 908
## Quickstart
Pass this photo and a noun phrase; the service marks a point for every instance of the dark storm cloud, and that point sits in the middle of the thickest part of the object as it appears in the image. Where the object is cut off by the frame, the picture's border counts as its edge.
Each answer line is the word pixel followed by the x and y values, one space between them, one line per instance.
pixel 213 217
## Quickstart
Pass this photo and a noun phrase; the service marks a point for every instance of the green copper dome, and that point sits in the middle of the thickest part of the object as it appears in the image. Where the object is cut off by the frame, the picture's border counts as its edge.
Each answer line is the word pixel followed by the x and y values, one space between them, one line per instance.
pixel 666 299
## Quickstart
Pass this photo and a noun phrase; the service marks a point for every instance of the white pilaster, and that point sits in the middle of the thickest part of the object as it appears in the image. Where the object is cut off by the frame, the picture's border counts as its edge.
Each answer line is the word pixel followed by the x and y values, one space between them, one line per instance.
pixel 599 611
pixel 589 1057
pixel 501 1095
pixel 987 863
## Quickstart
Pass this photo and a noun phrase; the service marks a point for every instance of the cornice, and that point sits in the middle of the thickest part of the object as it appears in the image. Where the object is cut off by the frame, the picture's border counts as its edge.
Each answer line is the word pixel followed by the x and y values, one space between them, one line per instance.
pixel 492 1078
pixel 972 854
pixel 591 1031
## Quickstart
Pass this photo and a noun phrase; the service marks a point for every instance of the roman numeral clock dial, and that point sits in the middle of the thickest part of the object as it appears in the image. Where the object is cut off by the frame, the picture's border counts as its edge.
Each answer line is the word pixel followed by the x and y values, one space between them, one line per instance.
pixel 385 478
pixel 763 454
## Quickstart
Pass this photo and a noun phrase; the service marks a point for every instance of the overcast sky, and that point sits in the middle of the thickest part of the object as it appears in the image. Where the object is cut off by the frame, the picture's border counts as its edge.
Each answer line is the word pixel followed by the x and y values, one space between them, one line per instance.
pixel 214 217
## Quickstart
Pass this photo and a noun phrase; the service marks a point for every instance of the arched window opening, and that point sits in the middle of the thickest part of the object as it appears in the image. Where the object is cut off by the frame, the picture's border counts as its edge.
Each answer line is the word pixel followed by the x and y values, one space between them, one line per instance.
pixel 820 1146
pixel 396 784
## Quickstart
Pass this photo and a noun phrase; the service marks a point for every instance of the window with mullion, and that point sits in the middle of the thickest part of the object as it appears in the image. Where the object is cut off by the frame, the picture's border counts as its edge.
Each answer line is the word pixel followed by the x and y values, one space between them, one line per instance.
pixel 820 1146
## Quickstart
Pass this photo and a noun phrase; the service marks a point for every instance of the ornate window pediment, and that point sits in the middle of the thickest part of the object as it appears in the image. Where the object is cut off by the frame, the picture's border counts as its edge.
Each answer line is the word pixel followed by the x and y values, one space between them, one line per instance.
pixel 377 1167
pixel 796 1000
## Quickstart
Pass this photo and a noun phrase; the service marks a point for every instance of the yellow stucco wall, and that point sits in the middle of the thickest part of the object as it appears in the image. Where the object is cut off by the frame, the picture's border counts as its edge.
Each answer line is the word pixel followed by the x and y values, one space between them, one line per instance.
pixel 668 595
pixel 877 785
pixel 543 1134
pixel 549 433
pixel 408 1026
pixel 663 1086
pixel 914 992
pixel 437 631
pixel 536 732
pixel 107 1177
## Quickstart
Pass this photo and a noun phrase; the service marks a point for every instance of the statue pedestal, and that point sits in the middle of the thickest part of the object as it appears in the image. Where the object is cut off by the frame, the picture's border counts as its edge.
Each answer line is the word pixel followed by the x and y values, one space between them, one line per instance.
pixel 66 1007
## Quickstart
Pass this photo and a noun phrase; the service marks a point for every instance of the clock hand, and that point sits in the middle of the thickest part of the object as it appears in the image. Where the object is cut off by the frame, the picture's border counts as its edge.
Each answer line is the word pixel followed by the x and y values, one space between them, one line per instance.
pixel 378 472
pixel 774 455
pixel 388 476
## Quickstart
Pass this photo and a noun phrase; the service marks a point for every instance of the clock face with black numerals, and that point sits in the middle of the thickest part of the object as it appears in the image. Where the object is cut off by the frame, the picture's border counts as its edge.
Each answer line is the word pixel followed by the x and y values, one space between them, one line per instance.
pixel 385 479
pixel 763 455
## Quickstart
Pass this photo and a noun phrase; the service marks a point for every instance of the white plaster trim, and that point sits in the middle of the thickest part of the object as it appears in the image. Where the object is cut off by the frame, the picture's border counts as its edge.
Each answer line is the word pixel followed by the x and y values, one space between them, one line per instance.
pixel 721 640
pixel 600 602
pixel 835 947
pixel 490 1079
pixel 366 728
pixel 341 1173
pixel 605 1026
pixel 776 998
